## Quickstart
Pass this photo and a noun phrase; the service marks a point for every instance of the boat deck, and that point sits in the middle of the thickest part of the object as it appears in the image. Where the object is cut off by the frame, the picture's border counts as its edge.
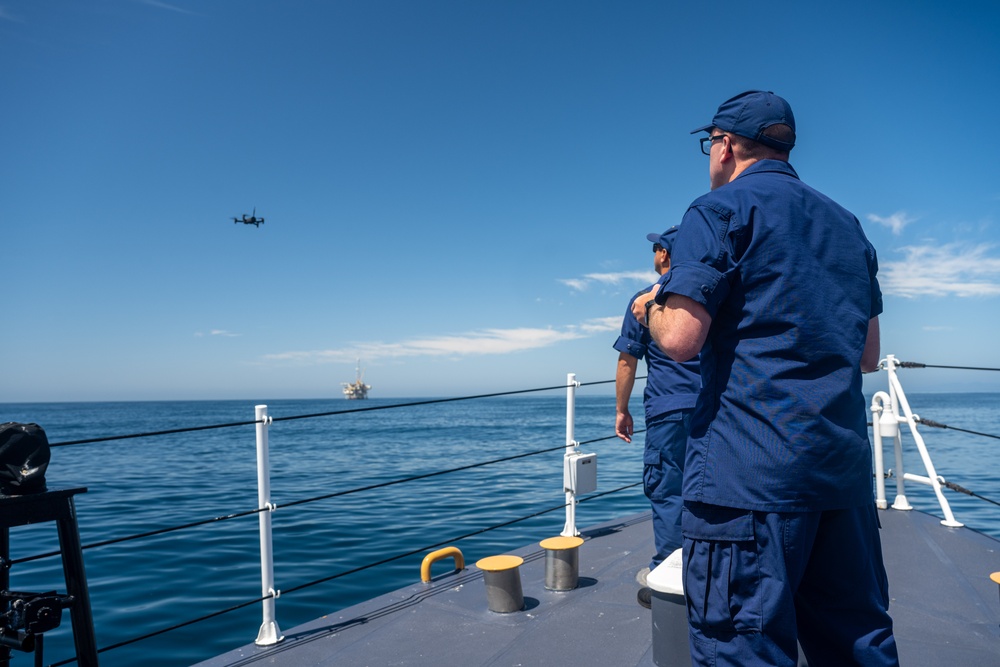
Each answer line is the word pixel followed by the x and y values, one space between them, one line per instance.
pixel 945 609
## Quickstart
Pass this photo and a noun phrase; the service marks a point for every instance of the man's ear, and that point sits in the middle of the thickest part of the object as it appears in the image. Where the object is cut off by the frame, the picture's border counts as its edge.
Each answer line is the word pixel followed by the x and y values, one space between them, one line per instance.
pixel 727 153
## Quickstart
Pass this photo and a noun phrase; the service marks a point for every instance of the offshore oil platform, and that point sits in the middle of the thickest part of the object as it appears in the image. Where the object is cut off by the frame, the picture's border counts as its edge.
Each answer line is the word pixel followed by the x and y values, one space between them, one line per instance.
pixel 358 389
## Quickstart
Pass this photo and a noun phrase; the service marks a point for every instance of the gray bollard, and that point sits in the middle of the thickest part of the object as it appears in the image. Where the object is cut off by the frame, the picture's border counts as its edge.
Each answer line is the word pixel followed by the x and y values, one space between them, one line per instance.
pixel 562 562
pixel 671 642
pixel 503 583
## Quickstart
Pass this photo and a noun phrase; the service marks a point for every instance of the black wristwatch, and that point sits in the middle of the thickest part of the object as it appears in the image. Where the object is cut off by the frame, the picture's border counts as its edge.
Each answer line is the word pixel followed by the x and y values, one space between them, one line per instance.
pixel 649 304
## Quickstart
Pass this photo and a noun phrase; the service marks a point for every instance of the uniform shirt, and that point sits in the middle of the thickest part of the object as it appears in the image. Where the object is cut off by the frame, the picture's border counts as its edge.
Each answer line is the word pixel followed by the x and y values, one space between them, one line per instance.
pixel 669 385
pixel 789 280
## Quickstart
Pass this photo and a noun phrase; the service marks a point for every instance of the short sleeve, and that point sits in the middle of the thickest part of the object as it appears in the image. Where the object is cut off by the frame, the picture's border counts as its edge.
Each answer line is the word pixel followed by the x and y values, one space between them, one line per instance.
pixel 700 260
pixel 634 338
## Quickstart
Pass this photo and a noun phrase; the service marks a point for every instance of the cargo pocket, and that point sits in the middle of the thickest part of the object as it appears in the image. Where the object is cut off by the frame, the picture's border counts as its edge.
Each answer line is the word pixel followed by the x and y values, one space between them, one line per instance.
pixel 722 571
pixel 662 428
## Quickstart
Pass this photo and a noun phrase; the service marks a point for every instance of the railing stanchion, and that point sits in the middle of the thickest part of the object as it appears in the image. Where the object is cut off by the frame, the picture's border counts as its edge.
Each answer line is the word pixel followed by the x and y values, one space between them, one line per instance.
pixel 569 530
pixel 883 425
pixel 932 476
pixel 887 423
pixel 900 503
pixel 269 633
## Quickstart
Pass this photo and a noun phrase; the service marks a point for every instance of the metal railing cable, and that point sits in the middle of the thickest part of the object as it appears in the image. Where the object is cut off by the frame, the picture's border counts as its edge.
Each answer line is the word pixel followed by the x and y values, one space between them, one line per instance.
pixel 934 424
pixel 294 503
pixel 372 408
pixel 345 573
pixel 270 507
pixel 917 364
pixel 961 489
pixel 433 401
pixel 454 539
pixel 954 487
pixel 414 478
pixel 931 422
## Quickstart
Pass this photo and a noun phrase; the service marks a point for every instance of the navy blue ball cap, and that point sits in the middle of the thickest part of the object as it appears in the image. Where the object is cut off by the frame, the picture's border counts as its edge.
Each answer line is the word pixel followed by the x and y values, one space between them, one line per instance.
pixel 666 239
pixel 750 113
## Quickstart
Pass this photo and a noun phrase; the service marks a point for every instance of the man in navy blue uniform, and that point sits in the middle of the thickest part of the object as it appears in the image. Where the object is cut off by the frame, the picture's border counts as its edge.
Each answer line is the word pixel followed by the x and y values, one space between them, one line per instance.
pixel 774 284
pixel 668 402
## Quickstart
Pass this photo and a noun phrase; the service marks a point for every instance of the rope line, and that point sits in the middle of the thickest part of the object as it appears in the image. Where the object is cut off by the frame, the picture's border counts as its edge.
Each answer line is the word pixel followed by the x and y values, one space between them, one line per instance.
pixel 343 574
pixel 433 401
pixel 149 434
pixel 151 533
pixel 419 477
pixel 953 486
pixel 917 364
pixel 962 489
pixel 931 422
pixel 320 414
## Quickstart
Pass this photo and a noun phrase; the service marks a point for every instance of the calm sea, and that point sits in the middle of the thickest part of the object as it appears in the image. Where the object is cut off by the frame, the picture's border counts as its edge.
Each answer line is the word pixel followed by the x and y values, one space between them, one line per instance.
pixel 139 485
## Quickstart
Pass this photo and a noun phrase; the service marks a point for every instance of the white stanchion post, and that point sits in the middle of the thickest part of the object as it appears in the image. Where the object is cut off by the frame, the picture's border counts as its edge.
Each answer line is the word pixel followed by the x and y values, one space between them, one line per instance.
pixel 569 530
pixel 883 424
pixel 269 633
pixel 932 476
pixel 900 502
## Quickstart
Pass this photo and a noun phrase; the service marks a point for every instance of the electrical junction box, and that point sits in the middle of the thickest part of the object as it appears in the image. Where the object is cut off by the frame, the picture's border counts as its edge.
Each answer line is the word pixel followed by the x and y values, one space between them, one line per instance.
pixel 580 473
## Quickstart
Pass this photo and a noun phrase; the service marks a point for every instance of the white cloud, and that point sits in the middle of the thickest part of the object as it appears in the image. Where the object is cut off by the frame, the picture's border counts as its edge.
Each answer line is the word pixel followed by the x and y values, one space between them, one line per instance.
pixel 575 284
pixel 486 342
pixel 637 277
pixel 896 222
pixel 601 325
pixel 217 332
pixel 948 270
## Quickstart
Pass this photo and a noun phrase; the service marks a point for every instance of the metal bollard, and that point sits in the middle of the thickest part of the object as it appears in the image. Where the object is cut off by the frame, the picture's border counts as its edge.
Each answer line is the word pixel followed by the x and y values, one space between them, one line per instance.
pixel 562 562
pixel 503 583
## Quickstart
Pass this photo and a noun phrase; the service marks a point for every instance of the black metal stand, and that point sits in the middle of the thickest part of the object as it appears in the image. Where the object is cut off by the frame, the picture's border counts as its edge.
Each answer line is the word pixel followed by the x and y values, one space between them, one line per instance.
pixel 55 505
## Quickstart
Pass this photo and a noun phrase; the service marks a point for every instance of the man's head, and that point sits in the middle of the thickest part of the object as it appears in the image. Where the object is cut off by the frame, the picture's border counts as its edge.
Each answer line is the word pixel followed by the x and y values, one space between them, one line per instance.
pixel 755 125
pixel 663 245
pixel 751 114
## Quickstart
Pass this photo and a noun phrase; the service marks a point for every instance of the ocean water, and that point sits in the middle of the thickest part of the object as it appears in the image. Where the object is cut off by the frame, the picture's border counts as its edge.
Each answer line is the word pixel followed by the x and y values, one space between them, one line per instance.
pixel 144 484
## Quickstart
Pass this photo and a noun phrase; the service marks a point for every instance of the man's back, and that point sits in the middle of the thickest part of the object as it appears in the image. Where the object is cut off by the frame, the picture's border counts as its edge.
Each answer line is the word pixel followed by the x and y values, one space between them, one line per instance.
pixel 790 313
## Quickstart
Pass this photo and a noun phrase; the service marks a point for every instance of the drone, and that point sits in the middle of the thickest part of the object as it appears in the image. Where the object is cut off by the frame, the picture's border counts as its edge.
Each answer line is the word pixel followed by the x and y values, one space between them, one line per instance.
pixel 252 219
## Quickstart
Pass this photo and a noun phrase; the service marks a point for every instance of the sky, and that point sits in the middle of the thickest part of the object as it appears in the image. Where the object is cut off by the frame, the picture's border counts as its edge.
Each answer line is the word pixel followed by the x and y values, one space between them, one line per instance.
pixel 456 193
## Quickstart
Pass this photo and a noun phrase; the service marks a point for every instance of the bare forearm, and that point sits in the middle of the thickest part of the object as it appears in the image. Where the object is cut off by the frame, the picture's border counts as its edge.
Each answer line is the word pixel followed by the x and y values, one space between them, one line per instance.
pixel 624 381
pixel 679 327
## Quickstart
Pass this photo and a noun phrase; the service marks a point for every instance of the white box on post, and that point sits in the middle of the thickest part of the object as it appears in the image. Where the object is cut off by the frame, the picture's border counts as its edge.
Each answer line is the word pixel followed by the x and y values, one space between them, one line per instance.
pixel 580 473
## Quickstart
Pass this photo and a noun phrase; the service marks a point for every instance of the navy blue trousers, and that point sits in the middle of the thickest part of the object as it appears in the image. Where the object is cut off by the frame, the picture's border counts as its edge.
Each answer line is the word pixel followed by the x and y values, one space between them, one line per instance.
pixel 662 474
pixel 756 582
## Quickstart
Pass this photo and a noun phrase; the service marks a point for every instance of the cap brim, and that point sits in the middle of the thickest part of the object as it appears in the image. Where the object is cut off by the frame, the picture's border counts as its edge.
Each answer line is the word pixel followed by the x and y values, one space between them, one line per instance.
pixel 653 238
pixel 706 128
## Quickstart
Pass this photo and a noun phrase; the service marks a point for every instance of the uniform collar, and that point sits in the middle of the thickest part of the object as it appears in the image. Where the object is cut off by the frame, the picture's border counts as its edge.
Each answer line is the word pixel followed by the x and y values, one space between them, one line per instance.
pixel 761 166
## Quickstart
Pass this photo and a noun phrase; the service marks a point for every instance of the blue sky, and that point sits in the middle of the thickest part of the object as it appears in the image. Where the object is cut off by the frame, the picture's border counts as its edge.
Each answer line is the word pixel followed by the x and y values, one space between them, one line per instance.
pixel 458 193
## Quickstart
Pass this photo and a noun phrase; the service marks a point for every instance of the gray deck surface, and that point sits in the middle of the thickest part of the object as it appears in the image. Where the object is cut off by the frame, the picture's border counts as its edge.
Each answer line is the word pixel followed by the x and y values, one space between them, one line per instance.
pixel 945 609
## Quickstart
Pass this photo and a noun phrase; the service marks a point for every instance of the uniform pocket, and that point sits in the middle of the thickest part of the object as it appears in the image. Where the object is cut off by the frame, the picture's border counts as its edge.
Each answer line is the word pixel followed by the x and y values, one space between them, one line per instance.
pixel 667 431
pixel 722 571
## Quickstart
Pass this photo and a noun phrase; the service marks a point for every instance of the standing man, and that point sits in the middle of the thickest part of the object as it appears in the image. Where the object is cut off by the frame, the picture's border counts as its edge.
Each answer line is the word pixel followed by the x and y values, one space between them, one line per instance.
pixel 669 399
pixel 774 284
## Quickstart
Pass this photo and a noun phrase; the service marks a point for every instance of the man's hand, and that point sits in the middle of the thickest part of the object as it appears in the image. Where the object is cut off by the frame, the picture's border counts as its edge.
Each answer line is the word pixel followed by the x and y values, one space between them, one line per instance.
pixel 624 426
pixel 639 305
